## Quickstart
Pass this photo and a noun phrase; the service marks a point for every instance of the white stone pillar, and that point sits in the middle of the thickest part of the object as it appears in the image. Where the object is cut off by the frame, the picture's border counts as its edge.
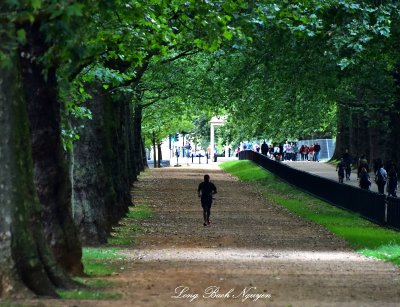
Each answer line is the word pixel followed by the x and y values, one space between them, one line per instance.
pixel 212 142
pixel 215 121
pixel 226 151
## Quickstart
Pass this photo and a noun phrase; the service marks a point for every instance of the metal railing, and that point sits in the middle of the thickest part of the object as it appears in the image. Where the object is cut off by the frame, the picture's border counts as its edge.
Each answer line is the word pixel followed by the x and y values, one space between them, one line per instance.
pixel 373 206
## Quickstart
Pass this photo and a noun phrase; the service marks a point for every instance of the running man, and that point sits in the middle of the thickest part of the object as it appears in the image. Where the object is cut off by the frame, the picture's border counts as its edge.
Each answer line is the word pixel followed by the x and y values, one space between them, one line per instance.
pixel 205 190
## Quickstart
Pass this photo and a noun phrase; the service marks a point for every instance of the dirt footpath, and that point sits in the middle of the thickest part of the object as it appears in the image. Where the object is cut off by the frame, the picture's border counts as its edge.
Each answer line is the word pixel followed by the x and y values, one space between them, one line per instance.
pixel 254 253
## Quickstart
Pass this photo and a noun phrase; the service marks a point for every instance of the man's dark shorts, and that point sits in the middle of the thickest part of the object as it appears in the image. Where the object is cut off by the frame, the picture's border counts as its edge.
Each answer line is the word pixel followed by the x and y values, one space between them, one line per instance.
pixel 206 203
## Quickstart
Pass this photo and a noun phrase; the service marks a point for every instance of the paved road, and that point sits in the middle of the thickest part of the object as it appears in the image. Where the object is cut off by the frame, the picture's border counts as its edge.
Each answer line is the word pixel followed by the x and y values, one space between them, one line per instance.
pixel 327 170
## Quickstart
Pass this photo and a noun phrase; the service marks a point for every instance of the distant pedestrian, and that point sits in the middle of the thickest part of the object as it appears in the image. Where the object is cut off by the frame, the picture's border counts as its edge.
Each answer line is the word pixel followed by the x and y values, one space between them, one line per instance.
pixel 264 148
pixel 348 160
pixel 317 149
pixel 302 152
pixel 237 151
pixel 380 179
pixel 271 151
pixel 284 151
pixel 289 152
pixel 311 153
pixel 365 181
pixel 295 151
pixel 188 151
pixel 363 162
pixel 277 152
pixel 205 191
pixel 215 153
pixel 340 169
pixel 306 152
pixel 377 164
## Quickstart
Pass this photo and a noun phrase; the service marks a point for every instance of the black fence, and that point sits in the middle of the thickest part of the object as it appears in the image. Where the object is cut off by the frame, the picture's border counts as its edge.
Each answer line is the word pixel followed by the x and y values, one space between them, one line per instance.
pixel 393 212
pixel 373 206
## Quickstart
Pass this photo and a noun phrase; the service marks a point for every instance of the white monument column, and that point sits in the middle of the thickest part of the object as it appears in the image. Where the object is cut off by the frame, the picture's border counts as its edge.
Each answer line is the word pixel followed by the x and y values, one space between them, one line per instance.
pixel 212 142
pixel 226 148
pixel 215 121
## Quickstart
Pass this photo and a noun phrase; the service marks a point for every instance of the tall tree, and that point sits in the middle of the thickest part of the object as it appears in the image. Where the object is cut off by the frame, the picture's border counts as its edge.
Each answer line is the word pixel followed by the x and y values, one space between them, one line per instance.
pixel 22 27
pixel 51 173
pixel 26 263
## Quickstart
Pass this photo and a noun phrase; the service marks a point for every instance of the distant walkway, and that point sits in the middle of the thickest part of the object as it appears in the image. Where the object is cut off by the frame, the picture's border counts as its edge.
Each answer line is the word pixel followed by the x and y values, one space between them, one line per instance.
pixel 327 170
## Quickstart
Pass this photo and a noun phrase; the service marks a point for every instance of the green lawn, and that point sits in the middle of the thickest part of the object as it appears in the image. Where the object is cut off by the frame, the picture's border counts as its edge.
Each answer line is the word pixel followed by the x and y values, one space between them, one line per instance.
pixel 365 237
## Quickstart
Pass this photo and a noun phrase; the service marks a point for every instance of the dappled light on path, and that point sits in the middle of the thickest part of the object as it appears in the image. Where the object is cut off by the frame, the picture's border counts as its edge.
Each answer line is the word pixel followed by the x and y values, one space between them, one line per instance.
pixel 252 244
pixel 242 255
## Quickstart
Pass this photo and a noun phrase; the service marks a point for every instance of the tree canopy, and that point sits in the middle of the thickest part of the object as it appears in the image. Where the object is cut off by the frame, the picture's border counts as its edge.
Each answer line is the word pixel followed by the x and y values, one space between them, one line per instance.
pixel 105 75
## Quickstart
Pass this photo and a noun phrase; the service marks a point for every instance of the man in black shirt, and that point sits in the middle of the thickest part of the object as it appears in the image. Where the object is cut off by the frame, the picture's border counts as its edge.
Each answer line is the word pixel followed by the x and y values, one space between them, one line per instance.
pixel 264 148
pixel 317 149
pixel 205 191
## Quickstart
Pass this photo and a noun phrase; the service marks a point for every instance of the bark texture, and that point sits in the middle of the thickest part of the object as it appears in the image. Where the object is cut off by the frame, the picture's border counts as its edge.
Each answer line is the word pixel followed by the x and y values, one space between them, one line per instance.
pixel 51 172
pixel 25 262
pixel 140 156
pixel 104 167
pixel 392 145
pixel 93 193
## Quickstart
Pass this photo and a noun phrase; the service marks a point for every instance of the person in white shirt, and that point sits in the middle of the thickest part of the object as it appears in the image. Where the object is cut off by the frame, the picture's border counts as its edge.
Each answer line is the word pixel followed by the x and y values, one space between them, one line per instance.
pixel 380 179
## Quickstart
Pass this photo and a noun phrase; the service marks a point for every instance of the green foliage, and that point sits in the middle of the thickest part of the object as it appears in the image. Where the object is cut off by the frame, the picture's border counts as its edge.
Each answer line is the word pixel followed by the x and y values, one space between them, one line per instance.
pixel 362 235
pixel 274 62
pixel 136 33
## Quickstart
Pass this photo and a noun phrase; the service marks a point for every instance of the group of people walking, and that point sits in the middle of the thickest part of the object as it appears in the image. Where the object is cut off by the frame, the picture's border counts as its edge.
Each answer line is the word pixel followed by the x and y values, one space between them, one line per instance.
pixel 310 153
pixel 383 177
pixel 290 151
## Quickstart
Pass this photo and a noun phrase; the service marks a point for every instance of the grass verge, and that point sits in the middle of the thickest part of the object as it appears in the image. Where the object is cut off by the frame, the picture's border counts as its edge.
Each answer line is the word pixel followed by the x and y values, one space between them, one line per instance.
pixel 87 295
pixel 363 236
pixel 125 234
pixel 105 261
pixel 98 262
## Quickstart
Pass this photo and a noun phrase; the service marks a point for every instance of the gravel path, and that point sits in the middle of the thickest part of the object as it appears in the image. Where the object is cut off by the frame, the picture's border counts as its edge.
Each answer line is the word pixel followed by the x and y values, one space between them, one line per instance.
pixel 254 254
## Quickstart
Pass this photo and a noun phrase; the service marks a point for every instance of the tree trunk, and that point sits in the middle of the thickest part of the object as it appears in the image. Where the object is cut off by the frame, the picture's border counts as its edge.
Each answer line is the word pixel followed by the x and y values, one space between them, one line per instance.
pixel 140 156
pixel 23 258
pixel 133 168
pixel 93 193
pixel 343 133
pixel 392 148
pixel 159 155
pixel 144 158
pixel 50 169
pixel 153 140
pixel 118 165
pixel 102 167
